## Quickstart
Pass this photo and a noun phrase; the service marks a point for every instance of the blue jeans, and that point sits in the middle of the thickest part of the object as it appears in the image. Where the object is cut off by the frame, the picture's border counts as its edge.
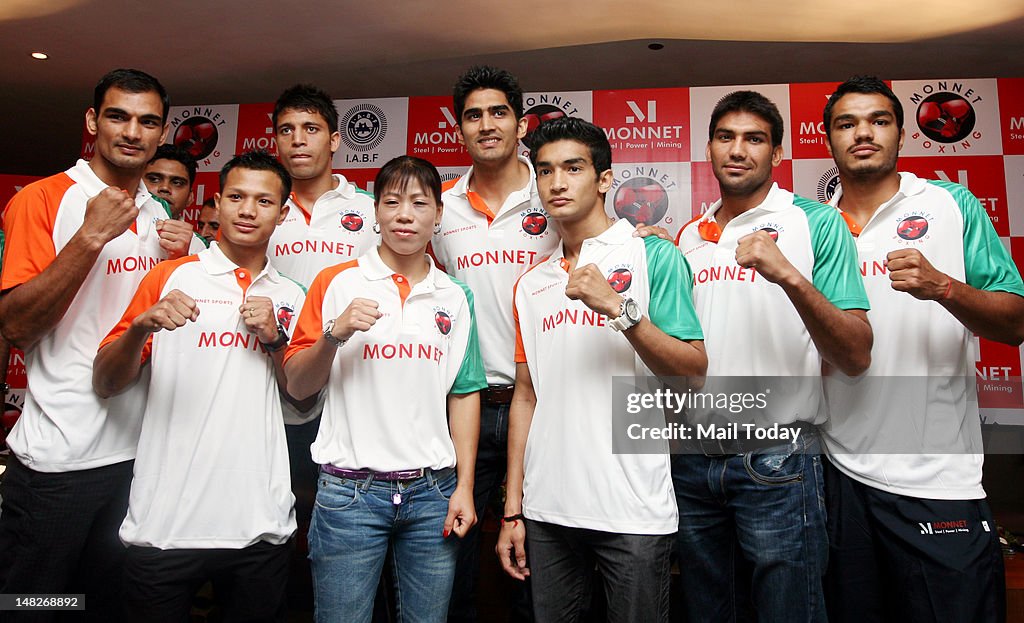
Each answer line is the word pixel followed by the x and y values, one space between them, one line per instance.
pixel 355 522
pixel 770 503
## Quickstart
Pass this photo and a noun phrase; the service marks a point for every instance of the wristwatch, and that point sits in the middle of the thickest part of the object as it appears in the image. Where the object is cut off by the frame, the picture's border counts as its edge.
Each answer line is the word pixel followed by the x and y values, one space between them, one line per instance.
pixel 277 344
pixel 329 335
pixel 629 315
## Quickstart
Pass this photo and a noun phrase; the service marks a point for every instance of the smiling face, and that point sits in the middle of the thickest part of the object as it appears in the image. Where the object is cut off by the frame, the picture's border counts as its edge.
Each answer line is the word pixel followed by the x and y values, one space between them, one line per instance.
pixel 488 127
pixel 864 138
pixel 249 207
pixel 407 217
pixel 305 143
pixel 741 154
pixel 128 128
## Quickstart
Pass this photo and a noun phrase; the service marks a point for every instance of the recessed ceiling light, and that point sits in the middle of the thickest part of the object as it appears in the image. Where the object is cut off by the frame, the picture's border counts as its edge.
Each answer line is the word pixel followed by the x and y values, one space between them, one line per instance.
pixel 40 56
pixel 655 46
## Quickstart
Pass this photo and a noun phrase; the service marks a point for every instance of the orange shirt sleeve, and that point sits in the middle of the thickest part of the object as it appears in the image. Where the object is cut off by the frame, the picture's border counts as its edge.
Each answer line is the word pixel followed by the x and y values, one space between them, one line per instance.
pixel 28 228
pixel 147 295
pixel 310 326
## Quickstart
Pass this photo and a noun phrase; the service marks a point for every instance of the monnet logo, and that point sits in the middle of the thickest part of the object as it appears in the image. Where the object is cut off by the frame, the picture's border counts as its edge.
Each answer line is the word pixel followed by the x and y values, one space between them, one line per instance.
pixel 352 221
pixel 535 223
pixel 641 200
pixel 912 227
pixel 363 127
pixel 443 321
pixel 946 117
pixel 285 313
pixel 198 136
pixel 827 185
pixel 620 279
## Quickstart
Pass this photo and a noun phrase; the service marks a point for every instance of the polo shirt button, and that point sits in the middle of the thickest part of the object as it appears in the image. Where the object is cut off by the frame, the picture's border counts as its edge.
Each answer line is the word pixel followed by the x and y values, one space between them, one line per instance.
pixel 399 280
pixel 241 275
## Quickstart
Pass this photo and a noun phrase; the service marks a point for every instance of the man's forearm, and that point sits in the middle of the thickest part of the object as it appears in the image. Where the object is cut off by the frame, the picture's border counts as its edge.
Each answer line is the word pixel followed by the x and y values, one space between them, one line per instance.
pixel 843 338
pixel 118 364
pixel 997 316
pixel 30 310
pixel 665 355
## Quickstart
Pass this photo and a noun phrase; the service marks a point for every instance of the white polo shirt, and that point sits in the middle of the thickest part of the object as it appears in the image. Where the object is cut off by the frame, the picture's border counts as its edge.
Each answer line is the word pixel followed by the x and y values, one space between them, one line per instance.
pixel 212 465
pixel 489 251
pixel 64 425
pixel 751 328
pixel 572 477
pixel 335 229
pixel 919 437
pixel 387 392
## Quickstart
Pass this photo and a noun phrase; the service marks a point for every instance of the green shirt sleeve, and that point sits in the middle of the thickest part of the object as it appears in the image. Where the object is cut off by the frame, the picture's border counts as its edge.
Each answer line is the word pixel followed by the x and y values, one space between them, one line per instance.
pixel 671 284
pixel 987 263
pixel 471 377
pixel 836 273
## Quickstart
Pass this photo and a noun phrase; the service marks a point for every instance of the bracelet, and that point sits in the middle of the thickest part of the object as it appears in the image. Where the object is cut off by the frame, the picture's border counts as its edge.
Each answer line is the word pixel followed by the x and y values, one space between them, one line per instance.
pixel 277 344
pixel 512 518
pixel 949 289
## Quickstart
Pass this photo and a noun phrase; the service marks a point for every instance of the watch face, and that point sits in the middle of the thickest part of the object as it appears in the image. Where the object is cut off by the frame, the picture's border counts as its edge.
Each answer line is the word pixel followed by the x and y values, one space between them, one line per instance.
pixel 632 310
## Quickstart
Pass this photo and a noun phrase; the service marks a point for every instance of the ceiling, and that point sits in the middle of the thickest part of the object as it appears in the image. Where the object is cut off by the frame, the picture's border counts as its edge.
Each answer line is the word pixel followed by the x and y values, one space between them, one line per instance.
pixel 234 51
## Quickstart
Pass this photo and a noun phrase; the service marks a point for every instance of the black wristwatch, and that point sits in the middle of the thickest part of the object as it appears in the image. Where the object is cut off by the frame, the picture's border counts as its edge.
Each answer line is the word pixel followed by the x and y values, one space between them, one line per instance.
pixel 279 343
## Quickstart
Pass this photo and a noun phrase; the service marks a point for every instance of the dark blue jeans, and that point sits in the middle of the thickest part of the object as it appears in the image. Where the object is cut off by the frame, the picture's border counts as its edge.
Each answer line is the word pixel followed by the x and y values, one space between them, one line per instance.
pixel 770 503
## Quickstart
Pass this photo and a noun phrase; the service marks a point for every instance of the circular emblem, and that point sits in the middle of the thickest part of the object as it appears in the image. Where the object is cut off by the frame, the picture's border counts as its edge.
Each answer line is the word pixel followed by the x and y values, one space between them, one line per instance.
pixel 352 221
pixel 946 117
pixel 535 223
pixel 620 279
pixel 197 136
pixel 641 200
pixel 364 127
pixel 285 313
pixel 827 185
pixel 538 115
pixel 912 227
pixel 443 321
pixel 774 233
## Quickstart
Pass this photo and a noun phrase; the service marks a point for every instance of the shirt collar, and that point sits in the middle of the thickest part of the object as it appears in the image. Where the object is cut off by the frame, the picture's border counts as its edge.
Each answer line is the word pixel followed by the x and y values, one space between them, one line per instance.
pixel 619 233
pixel 374 269
pixel 345 189
pixel 461 187
pixel 83 175
pixel 910 185
pixel 216 263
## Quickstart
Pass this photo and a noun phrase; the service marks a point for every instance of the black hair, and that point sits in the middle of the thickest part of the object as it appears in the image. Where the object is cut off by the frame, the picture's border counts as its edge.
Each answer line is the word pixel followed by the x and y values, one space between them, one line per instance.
pixel 169 151
pixel 861 84
pixel 259 160
pixel 310 99
pixel 487 77
pixel 750 102
pixel 130 81
pixel 574 129
pixel 398 172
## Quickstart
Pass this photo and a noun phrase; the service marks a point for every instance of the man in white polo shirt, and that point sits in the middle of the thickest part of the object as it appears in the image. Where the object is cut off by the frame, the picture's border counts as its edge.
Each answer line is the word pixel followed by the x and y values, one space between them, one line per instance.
pixel 78 244
pixel 211 497
pixel 329 221
pixel 493 228
pixel 778 294
pixel 605 304
pixel 910 534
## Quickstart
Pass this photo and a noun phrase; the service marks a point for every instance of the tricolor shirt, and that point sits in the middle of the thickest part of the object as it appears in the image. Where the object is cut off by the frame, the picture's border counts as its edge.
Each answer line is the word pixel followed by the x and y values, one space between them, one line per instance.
pixel 386 396
pixel 751 328
pixel 335 229
pixel 64 425
pixel 212 464
pixel 572 477
pixel 489 251
pixel 910 424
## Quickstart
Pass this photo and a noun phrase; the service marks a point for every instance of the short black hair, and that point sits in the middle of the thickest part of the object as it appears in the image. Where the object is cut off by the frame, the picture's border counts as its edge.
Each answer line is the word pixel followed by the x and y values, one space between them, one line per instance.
pixel 170 151
pixel 259 160
pixel 574 129
pixel 130 81
pixel 487 77
pixel 398 172
pixel 861 84
pixel 210 203
pixel 308 98
pixel 751 102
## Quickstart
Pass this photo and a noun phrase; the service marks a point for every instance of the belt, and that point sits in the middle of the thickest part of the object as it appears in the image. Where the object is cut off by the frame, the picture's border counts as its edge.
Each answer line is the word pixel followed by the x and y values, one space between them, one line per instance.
pixel 362 474
pixel 497 395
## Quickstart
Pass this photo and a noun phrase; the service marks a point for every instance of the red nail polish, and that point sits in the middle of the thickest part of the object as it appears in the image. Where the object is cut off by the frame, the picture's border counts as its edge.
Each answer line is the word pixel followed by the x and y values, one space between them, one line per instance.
pixel 446 533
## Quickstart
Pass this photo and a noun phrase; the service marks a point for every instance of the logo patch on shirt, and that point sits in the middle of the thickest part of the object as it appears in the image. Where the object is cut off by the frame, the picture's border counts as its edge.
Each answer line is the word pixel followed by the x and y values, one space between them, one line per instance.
pixel 773 229
pixel 443 320
pixel 620 278
pixel 535 223
pixel 913 226
pixel 285 312
pixel 351 220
